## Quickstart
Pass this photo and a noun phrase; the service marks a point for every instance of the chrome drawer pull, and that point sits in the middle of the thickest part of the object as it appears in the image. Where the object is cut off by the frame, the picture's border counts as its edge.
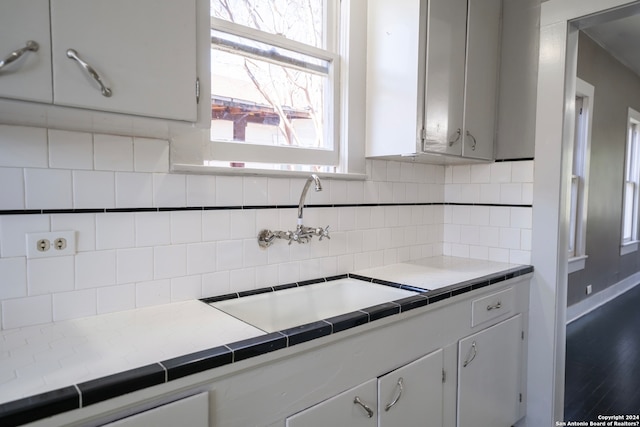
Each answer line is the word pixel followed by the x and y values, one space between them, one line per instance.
pixel 458 133
pixel 494 306
pixel 369 411
pixel 30 46
pixel 473 351
pixel 397 398
pixel 71 53
pixel 473 138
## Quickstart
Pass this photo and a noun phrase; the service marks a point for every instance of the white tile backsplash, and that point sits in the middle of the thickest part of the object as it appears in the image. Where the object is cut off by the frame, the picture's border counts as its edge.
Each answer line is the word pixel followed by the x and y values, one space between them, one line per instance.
pixel 136 259
pixel 134 265
pixel 84 224
pixel 94 190
pixel 71 305
pixel 12 195
pixel 13 272
pixel 115 231
pixel 152 228
pixel 150 155
pixel 113 153
pixel 13 229
pixel 50 275
pixel 201 190
pixel 186 226
pixel 155 292
pixel 48 189
pixel 95 269
pixel 23 147
pixel 169 261
pixel 20 312
pixel 133 189
pixel 70 150
pixel 169 190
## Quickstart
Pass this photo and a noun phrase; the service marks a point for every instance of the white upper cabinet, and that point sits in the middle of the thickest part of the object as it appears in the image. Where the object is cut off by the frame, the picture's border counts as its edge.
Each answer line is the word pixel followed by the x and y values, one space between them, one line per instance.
pixel 26 73
pixel 432 77
pixel 134 57
pixel 481 78
pixel 147 60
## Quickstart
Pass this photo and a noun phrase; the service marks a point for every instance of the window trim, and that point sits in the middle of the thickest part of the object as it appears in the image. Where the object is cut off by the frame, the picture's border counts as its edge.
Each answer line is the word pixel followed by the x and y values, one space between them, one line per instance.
pixel 631 166
pixel 581 159
pixel 231 151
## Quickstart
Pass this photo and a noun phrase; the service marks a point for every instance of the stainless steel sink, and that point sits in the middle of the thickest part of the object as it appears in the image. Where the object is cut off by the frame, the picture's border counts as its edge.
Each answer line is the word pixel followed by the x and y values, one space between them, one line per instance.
pixel 276 311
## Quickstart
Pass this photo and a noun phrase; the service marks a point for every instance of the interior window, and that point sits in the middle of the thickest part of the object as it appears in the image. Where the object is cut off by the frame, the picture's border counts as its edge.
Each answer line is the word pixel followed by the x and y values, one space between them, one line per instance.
pixel 631 188
pixel 275 87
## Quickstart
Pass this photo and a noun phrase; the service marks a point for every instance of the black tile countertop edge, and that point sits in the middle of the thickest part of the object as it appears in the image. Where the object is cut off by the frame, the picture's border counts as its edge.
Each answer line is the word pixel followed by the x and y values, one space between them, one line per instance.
pixel 47 404
pixel 43 405
pixel 104 388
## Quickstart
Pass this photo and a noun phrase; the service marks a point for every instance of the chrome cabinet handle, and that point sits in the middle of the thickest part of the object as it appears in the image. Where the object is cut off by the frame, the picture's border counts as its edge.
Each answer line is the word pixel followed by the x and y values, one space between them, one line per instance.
pixel 494 306
pixel 71 53
pixel 473 146
pixel 472 355
pixel 398 396
pixel 458 133
pixel 30 46
pixel 364 406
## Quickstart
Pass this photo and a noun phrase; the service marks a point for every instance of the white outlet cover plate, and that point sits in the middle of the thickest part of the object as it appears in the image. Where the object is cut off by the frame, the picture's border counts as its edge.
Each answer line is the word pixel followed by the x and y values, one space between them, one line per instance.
pixel 33 238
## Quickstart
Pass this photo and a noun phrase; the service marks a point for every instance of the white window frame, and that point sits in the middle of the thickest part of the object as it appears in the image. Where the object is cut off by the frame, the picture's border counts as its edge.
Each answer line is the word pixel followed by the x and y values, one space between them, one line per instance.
pixel 579 189
pixel 345 41
pixel 631 179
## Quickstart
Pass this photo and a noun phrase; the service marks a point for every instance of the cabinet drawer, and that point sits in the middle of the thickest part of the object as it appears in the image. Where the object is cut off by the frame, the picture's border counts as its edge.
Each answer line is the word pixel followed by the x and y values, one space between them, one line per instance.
pixel 491 306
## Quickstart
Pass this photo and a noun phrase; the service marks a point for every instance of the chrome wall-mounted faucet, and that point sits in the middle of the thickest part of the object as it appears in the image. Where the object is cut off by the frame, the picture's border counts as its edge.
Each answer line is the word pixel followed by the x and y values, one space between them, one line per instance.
pixel 302 234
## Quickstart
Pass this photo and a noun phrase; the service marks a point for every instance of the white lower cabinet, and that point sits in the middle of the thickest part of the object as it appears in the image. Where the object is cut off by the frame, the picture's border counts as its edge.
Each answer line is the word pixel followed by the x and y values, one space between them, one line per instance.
pixel 189 412
pixel 408 396
pixel 489 375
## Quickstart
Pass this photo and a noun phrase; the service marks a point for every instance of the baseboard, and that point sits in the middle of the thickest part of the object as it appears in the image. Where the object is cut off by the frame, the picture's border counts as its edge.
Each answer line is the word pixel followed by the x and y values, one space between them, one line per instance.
pixel 578 310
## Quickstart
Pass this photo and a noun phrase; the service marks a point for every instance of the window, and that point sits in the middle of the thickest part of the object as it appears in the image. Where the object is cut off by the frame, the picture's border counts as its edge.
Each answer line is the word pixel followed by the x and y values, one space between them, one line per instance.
pixel 580 176
pixel 631 187
pixel 276 91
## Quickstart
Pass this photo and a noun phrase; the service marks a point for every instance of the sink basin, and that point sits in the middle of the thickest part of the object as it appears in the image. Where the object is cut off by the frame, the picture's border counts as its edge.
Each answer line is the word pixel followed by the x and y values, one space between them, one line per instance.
pixel 276 311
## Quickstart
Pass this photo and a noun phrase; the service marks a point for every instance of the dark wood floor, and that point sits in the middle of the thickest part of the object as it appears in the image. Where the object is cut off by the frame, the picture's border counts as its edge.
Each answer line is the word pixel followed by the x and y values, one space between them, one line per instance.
pixel 603 361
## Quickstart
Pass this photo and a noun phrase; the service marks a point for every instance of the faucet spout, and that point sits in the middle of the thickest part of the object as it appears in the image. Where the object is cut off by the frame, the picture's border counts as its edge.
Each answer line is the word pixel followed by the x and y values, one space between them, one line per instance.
pixel 318 187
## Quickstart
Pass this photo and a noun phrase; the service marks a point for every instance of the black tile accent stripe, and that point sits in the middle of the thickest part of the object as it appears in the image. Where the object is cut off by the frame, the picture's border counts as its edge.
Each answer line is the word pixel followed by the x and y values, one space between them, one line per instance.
pixel 104 388
pixel 236 208
pixel 43 405
pixel 69 398
pixel 522 159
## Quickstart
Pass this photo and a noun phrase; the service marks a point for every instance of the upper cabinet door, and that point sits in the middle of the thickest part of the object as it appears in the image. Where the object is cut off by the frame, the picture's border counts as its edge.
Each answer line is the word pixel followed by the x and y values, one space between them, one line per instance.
pixel 444 91
pixel 481 85
pixel 27 77
pixel 147 61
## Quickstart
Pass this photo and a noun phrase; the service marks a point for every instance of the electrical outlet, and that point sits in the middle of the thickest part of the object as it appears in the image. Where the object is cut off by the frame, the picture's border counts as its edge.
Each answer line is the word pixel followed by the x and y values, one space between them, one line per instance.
pixel 589 289
pixel 50 244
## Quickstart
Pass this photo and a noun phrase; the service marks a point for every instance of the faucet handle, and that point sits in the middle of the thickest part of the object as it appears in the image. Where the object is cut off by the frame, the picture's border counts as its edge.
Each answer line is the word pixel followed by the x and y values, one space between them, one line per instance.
pixel 324 232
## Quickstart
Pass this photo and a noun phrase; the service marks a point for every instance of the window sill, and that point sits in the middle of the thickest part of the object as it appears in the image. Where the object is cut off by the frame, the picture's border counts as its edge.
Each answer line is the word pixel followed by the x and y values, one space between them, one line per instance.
pixel 577 263
pixel 214 170
pixel 627 248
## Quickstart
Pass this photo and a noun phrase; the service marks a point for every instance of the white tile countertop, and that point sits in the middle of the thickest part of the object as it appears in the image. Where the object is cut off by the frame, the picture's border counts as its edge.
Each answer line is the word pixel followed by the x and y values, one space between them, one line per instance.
pixel 435 272
pixel 45 358
pixel 41 358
